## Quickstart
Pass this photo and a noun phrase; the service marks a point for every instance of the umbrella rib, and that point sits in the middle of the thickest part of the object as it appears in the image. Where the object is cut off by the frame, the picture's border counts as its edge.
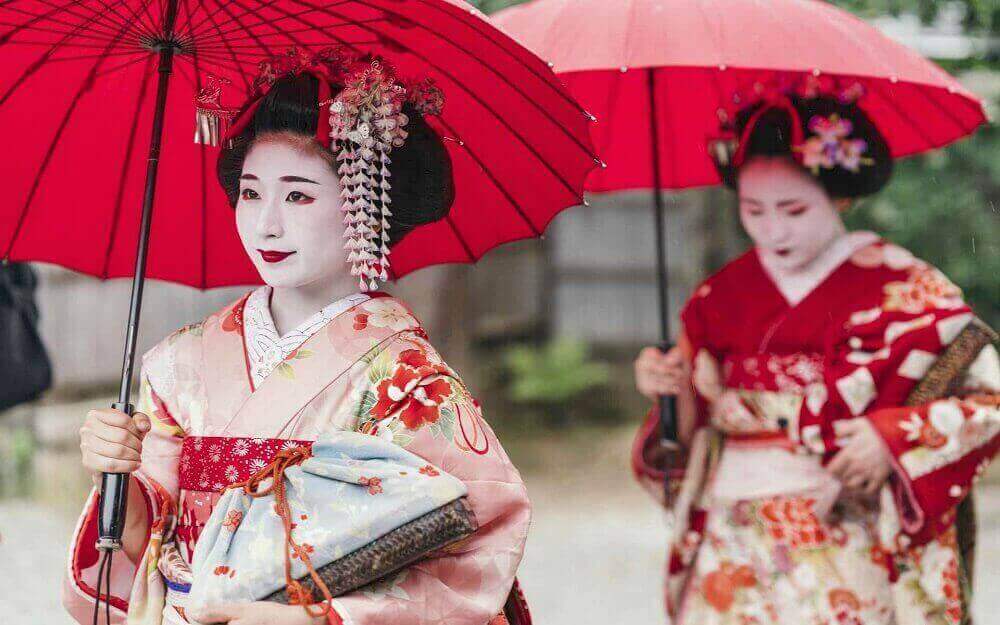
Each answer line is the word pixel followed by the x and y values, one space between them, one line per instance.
pixel 83 57
pixel 541 109
pixel 229 50
pixel 140 27
pixel 198 28
pixel 36 17
pixel 249 32
pixel 876 88
pixel 489 33
pixel 461 241
pixel 946 111
pixel 478 99
pixel 37 64
pixel 195 82
pixel 280 33
pixel 38 29
pixel 120 66
pixel 486 170
pixel 106 21
pixel 123 174
pixel 43 167
pixel 49 19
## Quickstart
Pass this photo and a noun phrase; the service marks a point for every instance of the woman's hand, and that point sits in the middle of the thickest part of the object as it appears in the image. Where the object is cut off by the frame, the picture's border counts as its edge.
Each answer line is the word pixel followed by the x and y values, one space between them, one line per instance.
pixel 111 441
pixel 658 373
pixel 862 464
pixel 259 613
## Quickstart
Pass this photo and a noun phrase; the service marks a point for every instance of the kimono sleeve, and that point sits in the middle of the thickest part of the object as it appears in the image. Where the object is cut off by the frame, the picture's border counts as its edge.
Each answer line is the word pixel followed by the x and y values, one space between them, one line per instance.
pixel 156 479
pixel 874 360
pixel 416 401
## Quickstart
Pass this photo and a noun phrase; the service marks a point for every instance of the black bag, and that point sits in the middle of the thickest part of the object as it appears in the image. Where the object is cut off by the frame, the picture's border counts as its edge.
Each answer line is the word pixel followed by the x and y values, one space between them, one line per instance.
pixel 25 370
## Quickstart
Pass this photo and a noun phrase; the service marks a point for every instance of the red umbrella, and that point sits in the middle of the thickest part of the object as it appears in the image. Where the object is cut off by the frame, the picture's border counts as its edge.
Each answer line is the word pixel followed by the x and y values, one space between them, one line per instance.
pixel 660 75
pixel 92 92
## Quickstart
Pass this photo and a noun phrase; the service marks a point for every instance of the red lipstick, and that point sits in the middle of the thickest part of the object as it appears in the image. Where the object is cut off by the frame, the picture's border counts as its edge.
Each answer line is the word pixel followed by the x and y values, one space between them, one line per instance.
pixel 271 256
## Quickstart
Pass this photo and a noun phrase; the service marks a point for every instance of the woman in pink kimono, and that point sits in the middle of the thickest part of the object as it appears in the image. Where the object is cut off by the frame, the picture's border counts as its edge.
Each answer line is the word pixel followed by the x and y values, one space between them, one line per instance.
pixel 822 476
pixel 306 354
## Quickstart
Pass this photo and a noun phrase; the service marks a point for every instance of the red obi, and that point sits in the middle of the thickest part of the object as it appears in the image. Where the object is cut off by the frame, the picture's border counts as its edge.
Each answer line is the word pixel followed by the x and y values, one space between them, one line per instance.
pixel 209 464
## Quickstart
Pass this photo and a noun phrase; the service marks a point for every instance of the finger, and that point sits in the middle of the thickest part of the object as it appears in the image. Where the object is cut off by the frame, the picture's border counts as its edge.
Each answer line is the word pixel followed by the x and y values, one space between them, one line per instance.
pixel 872 486
pixel 838 464
pixel 845 428
pixel 114 451
pixel 112 434
pixel 142 423
pixel 218 614
pixel 855 481
pixel 103 464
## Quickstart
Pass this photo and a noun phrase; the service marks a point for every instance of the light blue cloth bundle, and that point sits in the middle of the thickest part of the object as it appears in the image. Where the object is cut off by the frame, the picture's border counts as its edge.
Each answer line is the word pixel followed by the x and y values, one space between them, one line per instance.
pixel 354 489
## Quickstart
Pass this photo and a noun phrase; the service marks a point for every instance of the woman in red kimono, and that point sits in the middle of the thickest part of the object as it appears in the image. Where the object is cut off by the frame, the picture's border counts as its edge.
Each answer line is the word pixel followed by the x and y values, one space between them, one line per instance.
pixel 307 166
pixel 814 494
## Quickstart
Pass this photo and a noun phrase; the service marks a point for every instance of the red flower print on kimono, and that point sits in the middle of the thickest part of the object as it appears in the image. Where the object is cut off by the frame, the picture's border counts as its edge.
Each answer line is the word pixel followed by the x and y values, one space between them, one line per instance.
pixel 233 520
pixel 791 521
pixel 360 321
pixel 416 394
pixel 374 484
pixel 233 321
pixel 719 587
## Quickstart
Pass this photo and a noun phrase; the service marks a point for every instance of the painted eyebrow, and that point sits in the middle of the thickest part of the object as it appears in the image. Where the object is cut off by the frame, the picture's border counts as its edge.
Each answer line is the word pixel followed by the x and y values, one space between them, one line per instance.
pixel 750 200
pixel 786 203
pixel 282 179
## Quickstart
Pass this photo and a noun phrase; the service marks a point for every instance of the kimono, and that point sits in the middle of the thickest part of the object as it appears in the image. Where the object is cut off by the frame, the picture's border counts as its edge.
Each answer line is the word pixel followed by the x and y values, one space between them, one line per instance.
pixel 762 533
pixel 225 395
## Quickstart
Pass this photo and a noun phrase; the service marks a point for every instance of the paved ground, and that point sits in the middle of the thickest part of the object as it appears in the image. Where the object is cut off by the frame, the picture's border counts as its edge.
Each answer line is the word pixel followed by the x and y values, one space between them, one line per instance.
pixel 594 556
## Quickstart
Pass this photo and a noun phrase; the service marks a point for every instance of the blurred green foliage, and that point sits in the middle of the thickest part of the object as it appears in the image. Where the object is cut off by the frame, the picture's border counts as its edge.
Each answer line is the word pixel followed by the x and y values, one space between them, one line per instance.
pixel 554 373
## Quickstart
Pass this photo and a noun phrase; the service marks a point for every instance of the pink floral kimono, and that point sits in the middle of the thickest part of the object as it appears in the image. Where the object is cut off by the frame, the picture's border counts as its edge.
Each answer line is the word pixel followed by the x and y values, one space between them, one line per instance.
pixel 226 394
pixel 762 533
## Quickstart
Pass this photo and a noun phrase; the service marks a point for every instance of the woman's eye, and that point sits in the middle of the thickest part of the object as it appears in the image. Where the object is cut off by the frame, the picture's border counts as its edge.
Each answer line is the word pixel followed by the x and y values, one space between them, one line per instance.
pixel 795 211
pixel 752 211
pixel 298 197
pixel 249 194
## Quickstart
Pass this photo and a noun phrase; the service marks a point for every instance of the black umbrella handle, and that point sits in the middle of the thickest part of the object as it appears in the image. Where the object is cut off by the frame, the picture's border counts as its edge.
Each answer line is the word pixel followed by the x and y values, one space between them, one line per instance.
pixel 114 486
pixel 667 407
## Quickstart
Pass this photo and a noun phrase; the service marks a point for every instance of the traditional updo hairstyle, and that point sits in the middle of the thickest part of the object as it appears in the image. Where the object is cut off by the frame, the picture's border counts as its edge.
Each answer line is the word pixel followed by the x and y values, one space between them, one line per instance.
pixel 422 186
pixel 772 135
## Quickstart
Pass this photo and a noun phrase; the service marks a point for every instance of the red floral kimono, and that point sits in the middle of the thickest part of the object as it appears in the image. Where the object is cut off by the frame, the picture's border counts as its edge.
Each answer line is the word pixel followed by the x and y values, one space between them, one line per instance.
pixel 762 533
pixel 225 395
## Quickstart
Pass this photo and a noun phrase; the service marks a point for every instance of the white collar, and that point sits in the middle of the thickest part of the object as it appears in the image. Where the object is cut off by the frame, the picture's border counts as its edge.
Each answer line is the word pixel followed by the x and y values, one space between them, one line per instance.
pixel 795 286
pixel 265 348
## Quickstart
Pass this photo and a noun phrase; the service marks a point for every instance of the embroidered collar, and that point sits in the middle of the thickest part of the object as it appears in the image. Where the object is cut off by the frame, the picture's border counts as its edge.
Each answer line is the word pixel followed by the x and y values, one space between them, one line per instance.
pixel 266 349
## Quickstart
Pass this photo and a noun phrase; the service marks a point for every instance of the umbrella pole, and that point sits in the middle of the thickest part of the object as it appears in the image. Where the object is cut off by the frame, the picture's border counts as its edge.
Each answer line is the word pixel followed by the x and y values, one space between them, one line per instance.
pixel 667 405
pixel 114 486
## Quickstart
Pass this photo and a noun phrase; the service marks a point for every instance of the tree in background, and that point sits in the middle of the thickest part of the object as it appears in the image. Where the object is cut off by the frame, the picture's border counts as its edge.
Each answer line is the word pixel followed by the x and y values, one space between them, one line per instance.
pixel 944 206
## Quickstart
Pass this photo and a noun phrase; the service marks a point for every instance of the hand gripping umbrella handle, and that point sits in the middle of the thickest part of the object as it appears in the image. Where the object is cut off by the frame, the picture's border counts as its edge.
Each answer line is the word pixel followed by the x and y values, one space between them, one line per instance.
pixel 114 498
pixel 667 406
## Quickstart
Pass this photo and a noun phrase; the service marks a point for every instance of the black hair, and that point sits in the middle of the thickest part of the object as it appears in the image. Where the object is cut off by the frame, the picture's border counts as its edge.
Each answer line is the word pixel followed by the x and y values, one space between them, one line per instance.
pixel 422 185
pixel 772 137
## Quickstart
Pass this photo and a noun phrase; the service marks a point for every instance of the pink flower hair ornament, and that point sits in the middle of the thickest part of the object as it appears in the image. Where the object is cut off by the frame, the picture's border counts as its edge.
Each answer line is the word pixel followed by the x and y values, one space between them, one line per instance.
pixel 824 144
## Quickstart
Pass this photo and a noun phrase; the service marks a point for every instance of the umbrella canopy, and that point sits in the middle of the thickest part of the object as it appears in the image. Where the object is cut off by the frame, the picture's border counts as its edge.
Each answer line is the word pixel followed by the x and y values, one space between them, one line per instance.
pixel 78 85
pixel 699 54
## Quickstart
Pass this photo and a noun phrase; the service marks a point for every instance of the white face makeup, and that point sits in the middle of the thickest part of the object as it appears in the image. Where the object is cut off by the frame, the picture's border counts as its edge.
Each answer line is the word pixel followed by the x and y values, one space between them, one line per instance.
pixel 786 212
pixel 288 215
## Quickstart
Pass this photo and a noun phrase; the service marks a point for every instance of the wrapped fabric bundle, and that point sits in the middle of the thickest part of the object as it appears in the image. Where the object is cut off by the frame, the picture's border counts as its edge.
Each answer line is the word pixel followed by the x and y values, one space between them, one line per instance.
pixel 310 527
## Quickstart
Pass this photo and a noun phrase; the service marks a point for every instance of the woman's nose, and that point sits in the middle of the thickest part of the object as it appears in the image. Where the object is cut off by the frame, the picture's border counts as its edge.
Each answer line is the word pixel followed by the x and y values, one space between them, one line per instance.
pixel 269 221
pixel 777 227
